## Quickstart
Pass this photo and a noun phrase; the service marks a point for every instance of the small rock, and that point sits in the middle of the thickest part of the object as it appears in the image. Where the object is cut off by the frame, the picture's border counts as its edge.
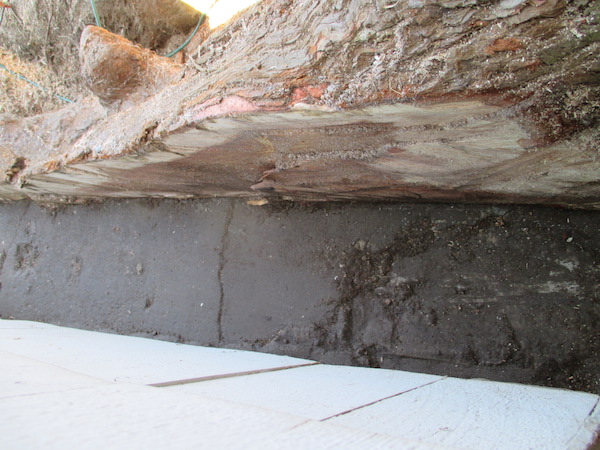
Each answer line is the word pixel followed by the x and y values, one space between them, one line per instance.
pixel 259 202
pixel 115 69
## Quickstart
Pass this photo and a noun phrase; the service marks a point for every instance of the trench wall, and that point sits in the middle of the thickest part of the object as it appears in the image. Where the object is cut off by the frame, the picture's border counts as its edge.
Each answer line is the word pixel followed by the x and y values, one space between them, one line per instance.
pixel 505 293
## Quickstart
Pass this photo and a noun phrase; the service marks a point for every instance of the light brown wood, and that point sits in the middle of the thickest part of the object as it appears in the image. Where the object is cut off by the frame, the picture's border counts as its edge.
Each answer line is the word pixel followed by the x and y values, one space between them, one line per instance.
pixel 320 100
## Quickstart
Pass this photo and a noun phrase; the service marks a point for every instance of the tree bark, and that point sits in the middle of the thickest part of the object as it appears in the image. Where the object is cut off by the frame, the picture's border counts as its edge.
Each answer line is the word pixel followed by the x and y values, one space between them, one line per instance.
pixel 454 100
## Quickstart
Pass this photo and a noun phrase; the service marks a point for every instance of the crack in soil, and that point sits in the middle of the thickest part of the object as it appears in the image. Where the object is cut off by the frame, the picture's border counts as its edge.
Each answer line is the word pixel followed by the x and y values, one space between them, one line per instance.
pixel 222 262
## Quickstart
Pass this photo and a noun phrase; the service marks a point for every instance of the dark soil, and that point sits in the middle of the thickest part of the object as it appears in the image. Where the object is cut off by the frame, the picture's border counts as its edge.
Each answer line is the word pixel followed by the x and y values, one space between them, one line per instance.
pixel 504 293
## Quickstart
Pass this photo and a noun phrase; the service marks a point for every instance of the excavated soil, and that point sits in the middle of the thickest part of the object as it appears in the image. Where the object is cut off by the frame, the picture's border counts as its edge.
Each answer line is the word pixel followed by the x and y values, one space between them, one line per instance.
pixel 504 293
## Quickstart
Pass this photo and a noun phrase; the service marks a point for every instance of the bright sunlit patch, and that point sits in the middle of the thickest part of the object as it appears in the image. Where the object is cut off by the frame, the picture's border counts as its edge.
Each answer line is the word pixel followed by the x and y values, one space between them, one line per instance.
pixel 220 11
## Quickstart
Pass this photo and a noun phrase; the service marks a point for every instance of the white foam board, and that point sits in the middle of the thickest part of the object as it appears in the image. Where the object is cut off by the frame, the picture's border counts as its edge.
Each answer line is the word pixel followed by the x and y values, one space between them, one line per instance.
pixel 479 414
pixel 316 392
pixel 141 417
pixel 128 359
pixel 23 376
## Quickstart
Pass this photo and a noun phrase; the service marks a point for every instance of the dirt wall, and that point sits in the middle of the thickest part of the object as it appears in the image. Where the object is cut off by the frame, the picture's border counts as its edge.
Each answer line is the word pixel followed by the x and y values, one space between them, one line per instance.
pixel 508 294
